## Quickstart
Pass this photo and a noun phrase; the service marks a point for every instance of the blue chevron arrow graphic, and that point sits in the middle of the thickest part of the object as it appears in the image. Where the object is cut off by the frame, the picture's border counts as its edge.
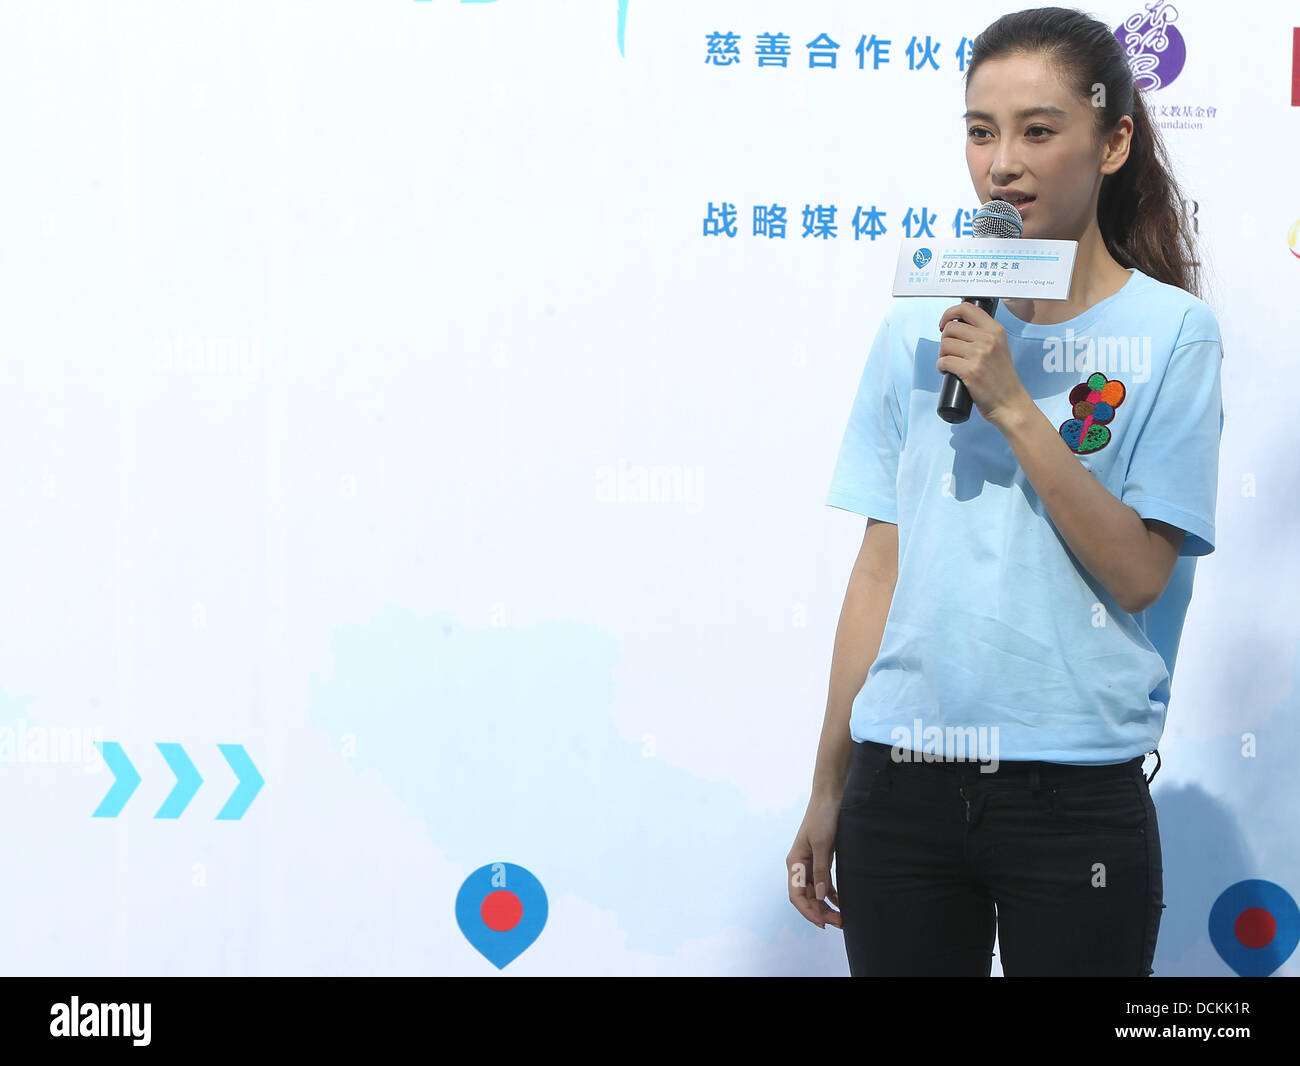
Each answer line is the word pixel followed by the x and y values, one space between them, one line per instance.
pixel 187 781
pixel 127 779
pixel 250 782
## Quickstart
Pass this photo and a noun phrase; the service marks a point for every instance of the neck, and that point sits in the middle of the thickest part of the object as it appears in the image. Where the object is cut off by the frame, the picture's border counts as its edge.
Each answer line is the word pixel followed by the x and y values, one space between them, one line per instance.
pixel 1096 276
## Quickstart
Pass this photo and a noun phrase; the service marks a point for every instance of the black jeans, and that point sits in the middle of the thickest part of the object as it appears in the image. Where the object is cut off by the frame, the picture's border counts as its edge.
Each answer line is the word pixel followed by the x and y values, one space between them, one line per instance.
pixel 1063 862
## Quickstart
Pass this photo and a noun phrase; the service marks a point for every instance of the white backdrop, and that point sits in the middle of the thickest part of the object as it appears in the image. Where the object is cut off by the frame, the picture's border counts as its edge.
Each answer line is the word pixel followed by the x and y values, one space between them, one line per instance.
pixel 384 394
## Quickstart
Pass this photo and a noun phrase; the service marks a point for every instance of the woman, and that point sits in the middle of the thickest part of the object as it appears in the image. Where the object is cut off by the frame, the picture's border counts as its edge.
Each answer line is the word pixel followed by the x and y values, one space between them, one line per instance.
pixel 1004 656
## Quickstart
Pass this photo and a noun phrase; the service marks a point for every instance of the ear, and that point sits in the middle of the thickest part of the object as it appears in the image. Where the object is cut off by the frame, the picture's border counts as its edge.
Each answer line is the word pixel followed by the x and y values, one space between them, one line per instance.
pixel 1115 151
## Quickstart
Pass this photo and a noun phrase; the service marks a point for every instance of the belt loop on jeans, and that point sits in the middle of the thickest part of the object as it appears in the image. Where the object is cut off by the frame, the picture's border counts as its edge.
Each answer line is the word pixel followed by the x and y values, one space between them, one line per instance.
pixel 1155 752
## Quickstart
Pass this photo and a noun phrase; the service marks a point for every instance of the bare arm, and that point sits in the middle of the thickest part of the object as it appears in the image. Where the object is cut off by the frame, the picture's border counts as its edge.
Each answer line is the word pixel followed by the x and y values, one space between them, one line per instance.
pixel 1133 557
pixel 857 642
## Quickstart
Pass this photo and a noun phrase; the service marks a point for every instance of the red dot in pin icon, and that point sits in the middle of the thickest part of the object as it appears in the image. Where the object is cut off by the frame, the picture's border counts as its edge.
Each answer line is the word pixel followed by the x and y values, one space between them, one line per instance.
pixel 501 910
pixel 1254 927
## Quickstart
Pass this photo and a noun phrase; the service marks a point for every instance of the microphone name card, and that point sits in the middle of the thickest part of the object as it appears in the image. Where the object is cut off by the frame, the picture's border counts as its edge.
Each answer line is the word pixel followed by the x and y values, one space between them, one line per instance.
pixel 1010 268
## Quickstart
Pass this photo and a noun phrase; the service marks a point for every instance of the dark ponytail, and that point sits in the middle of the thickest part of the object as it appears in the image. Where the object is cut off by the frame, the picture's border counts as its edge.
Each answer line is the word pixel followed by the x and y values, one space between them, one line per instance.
pixel 1139 208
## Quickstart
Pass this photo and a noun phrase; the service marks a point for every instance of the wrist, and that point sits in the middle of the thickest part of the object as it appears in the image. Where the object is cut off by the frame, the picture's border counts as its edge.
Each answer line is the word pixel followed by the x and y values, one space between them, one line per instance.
pixel 827 789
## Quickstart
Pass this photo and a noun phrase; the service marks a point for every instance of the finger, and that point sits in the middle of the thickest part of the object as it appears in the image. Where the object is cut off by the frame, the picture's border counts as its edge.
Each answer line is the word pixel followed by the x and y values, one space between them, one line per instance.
pixel 952 348
pixel 824 888
pixel 821 874
pixel 957 319
pixel 829 916
pixel 972 313
pixel 954 365
pixel 956 327
pixel 802 895
pixel 950 314
pixel 810 908
pixel 812 911
pixel 799 883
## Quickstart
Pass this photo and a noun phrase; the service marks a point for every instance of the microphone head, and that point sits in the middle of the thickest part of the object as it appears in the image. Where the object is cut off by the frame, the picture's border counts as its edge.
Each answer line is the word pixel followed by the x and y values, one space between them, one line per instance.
pixel 997 218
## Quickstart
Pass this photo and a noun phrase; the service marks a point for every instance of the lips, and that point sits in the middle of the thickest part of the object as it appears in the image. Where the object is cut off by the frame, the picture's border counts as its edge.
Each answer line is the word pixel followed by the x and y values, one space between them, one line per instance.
pixel 1020 205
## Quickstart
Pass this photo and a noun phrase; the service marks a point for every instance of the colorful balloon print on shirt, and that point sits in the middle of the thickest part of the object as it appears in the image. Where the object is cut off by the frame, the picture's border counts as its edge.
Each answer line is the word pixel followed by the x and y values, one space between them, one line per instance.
pixel 1093 402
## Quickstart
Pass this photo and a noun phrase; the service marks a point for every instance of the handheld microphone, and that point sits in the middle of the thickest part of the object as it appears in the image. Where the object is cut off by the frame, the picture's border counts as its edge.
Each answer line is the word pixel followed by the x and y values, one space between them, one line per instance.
pixel 997 218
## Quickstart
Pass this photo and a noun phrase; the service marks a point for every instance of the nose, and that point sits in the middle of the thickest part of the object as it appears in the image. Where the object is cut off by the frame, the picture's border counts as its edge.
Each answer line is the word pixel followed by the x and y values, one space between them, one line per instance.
pixel 1005 168
pixel 1005 175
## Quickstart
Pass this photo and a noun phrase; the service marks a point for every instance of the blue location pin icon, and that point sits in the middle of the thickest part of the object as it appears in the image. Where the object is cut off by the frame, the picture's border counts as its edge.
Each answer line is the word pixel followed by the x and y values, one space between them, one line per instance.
pixel 501 909
pixel 1254 926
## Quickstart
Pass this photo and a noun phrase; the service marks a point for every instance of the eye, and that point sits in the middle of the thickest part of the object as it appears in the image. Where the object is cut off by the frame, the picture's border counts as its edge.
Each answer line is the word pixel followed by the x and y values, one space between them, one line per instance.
pixel 980 129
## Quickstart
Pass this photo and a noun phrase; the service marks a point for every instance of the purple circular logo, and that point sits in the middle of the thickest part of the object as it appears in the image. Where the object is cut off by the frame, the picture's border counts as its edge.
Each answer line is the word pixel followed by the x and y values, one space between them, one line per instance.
pixel 1156 50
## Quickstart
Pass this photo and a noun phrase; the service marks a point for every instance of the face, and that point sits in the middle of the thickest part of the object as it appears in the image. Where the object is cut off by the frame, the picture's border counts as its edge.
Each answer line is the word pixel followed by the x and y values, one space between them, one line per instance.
pixel 1051 155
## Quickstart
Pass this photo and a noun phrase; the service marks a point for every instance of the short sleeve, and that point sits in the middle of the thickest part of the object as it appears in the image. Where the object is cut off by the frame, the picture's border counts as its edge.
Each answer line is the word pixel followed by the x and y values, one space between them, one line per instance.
pixel 1173 472
pixel 865 480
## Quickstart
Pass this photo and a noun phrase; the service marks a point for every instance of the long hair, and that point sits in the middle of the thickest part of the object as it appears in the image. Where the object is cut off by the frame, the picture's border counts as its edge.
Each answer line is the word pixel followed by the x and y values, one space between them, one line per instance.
pixel 1139 209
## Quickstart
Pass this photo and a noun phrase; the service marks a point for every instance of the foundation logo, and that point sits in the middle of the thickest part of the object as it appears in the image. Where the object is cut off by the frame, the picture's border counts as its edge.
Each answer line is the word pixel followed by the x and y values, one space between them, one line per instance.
pixel 1094 402
pixel 921 256
pixel 1156 50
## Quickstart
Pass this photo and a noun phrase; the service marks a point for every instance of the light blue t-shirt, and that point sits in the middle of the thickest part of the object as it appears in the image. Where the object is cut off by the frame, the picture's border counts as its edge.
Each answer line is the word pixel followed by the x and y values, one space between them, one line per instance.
pixel 994 621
